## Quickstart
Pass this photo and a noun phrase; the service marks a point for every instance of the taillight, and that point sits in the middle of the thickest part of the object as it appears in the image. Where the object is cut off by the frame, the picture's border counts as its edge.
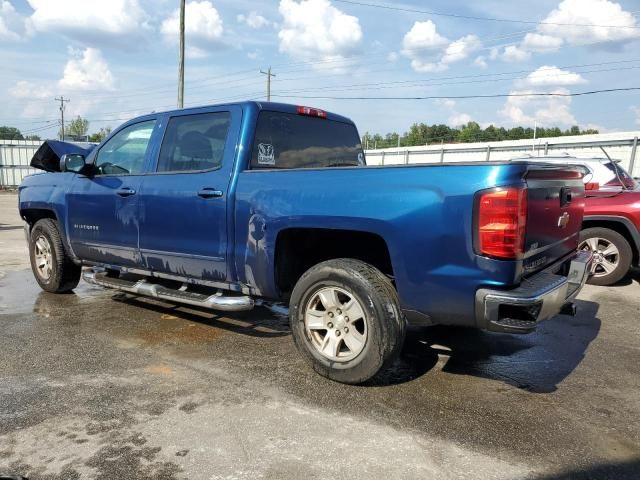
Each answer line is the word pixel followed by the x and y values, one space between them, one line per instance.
pixel 592 186
pixel 312 112
pixel 502 219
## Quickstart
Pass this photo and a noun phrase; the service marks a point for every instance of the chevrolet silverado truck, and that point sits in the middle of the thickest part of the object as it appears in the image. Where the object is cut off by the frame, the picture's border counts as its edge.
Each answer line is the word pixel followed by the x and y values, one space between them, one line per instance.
pixel 250 204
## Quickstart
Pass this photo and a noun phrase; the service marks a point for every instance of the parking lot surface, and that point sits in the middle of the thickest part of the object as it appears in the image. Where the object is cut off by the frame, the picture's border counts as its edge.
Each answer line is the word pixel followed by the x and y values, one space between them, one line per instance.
pixel 97 384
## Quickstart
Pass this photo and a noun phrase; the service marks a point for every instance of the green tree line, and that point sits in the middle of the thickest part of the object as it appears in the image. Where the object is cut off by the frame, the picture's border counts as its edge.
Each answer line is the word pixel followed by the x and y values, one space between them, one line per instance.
pixel 423 134
pixel 76 128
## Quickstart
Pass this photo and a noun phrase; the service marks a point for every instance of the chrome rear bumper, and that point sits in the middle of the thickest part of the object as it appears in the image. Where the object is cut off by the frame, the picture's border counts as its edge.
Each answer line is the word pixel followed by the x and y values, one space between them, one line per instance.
pixel 538 298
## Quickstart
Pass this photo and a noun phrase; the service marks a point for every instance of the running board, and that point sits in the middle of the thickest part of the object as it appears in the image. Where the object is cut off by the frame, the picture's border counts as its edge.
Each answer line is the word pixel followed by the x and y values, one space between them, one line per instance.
pixel 216 301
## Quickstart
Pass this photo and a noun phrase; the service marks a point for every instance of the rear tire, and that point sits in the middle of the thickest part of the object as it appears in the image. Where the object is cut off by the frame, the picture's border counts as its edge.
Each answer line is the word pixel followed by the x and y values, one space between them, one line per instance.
pixel 52 267
pixel 346 349
pixel 613 254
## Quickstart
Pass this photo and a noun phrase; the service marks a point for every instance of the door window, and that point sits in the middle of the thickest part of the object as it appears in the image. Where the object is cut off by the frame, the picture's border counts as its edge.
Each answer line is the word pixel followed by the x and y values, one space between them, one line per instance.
pixel 194 142
pixel 124 153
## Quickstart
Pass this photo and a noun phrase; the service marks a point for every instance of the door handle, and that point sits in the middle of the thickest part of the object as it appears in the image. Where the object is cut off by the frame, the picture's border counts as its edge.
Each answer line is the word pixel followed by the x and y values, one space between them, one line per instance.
pixel 210 193
pixel 126 192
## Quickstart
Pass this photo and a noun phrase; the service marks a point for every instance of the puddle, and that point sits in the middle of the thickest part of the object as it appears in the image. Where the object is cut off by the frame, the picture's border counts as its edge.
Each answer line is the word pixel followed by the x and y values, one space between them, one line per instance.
pixel 20 293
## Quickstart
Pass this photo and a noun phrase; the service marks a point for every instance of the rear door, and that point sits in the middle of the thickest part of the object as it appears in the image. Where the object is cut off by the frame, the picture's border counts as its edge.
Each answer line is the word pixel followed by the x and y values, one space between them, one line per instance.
pixel 555 210
pixel 103 209
pixel 183 202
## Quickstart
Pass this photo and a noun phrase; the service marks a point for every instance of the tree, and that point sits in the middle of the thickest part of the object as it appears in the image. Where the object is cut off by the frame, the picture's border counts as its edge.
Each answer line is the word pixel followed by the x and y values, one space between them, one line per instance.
pixel 471 132
pixel 10 133
pixel 100 135
pixel 78 127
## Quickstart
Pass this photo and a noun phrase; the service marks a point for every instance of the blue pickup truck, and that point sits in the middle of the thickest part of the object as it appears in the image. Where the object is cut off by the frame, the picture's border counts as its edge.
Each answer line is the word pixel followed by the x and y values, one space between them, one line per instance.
pixel 239 205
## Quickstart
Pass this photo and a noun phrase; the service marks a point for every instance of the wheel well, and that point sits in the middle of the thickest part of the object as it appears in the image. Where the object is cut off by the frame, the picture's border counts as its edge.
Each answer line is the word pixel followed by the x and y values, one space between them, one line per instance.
pixel 298 249
pixel 619 227
pixel 32 215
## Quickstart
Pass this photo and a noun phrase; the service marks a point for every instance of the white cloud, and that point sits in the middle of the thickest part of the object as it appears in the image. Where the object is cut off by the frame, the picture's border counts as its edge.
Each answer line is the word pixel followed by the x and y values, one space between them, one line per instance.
pixel 550 75
pixel 106 23
pixel 569 24
pixel 12 24
pixel 26 90
pixel 87 70
pixel 203 28
pixel 514 53
pixel 540 43
pixel 481 61
pixel 431 52
pixel 546 111
pixel 458 119
pixel 316 30
pixel 253 20
pixel 252 55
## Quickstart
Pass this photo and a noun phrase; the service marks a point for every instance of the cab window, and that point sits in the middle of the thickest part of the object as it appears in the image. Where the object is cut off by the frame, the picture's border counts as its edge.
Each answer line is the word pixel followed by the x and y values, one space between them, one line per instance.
pixel 125 152
pixel 285 140
pixel 194 142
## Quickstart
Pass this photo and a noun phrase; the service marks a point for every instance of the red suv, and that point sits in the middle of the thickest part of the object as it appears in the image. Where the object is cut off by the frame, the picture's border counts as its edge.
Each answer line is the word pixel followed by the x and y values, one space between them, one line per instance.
pixel 611 227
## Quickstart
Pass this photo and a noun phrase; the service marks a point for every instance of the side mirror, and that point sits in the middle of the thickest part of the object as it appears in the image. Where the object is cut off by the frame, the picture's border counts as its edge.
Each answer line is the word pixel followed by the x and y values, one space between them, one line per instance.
pixel 72 162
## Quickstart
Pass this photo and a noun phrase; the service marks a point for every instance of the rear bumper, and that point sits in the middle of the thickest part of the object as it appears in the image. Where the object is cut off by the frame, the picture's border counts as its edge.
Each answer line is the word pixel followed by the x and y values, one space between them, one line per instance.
pixel 538 298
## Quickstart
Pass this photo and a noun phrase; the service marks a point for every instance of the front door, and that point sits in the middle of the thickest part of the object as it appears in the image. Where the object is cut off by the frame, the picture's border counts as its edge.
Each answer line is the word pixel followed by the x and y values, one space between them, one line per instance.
pixel 183 205
pixel 103 208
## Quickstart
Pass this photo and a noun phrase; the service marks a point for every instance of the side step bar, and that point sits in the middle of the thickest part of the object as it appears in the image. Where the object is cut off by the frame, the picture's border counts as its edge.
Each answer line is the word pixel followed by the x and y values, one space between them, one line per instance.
pixel 216 301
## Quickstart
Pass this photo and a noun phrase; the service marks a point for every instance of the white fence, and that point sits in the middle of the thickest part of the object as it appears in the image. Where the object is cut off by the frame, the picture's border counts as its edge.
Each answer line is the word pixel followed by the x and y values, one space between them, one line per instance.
pixel 15 156
pixel 619 146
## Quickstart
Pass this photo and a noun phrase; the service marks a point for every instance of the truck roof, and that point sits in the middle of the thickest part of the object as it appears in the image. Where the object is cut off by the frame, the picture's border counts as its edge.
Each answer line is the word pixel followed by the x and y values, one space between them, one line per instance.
pixel 248 105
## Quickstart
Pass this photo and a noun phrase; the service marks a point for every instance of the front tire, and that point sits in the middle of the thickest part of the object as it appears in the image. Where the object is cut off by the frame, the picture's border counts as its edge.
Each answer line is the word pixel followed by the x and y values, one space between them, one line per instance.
pixel 612 254
pixel 346 320
pixel 53 269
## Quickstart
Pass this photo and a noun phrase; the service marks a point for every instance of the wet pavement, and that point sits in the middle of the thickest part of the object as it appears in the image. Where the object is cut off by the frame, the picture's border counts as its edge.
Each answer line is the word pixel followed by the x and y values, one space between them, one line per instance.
pixel 97 384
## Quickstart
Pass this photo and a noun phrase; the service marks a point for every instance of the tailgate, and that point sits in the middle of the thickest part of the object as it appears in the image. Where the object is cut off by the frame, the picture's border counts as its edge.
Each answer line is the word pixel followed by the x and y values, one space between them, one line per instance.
pixel 554 217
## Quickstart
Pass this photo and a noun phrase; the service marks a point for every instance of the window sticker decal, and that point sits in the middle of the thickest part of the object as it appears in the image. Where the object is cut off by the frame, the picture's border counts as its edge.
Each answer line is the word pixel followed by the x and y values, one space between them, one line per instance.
pixel 266 155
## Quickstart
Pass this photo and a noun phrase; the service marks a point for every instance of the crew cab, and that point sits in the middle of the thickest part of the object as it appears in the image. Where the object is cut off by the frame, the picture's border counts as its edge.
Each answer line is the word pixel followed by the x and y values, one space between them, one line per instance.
pixel 239 205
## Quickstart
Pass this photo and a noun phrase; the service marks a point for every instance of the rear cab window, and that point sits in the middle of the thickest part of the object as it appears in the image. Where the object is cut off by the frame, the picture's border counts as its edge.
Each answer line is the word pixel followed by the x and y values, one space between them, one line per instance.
pixel 290 141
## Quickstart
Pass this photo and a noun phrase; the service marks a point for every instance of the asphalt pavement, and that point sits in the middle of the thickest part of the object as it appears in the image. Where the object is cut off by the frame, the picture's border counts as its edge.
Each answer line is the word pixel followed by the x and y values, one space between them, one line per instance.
pixel 101 385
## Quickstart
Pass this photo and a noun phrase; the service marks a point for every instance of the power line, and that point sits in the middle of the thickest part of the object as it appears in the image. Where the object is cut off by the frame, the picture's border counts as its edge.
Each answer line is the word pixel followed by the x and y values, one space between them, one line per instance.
pixel 472 17
pixel 466 97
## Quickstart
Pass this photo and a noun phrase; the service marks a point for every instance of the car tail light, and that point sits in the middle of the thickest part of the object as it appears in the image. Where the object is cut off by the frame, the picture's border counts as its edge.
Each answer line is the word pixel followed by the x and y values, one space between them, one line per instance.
pixel 592 186
pixel 312 112
pixel 502 218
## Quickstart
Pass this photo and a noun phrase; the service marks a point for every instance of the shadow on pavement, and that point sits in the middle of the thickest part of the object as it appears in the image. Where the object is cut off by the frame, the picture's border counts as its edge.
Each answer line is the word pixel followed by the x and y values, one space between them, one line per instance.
pixel 536 362
pixel 608 471
pixel 258 322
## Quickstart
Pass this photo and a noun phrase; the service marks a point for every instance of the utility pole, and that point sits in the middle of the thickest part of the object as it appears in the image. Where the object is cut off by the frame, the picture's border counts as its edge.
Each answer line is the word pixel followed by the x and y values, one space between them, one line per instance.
pixel 62 100
pixel 181 60
pixel 269 75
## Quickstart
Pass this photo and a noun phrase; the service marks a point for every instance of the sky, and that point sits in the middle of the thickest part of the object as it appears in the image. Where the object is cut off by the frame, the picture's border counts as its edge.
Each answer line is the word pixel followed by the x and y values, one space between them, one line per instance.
pixel 118 59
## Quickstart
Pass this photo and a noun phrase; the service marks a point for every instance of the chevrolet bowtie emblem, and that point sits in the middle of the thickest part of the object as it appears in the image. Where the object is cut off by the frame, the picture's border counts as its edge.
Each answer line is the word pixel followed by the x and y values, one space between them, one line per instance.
pixel 563 220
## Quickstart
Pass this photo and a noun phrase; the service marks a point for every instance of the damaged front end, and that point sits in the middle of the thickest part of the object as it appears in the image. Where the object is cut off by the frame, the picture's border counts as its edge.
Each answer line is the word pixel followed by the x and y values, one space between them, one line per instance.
pixel 48 156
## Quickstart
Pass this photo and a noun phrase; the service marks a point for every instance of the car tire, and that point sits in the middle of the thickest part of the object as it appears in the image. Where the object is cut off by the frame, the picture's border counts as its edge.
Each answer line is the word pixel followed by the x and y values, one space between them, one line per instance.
pixel 609 268
pixel 52 267
pixel 346 349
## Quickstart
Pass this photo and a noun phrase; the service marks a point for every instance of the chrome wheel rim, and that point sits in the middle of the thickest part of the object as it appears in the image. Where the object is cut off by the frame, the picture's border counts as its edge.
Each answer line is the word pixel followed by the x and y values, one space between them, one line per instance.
pixel 43 257
pixel 335 324
pixel 606 255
